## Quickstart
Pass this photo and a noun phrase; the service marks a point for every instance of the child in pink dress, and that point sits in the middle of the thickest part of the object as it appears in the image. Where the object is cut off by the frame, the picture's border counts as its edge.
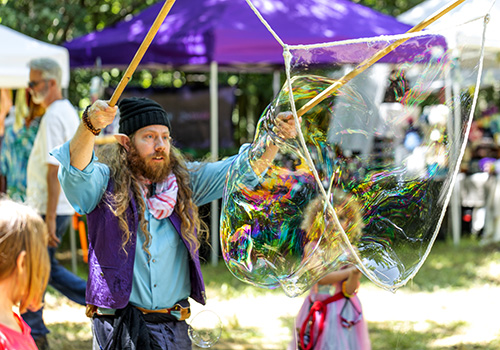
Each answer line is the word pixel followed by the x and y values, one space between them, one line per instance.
pixel 331 317
pixel 24 271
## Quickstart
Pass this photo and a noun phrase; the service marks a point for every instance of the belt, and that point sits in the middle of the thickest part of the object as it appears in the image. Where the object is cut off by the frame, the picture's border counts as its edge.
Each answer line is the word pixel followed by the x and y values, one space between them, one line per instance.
pixel 180 312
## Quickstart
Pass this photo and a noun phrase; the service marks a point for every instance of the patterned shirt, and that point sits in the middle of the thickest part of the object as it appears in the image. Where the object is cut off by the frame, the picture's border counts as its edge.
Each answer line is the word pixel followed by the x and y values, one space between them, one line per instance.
pixel 15 151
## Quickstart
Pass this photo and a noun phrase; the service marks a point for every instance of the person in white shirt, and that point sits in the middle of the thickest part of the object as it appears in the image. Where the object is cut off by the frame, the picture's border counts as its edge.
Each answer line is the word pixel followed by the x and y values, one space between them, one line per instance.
pixel 58 125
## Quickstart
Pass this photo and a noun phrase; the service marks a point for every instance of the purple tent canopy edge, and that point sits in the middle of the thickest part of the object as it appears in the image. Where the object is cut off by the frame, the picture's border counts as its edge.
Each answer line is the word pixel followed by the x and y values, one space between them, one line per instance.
pixel 197 32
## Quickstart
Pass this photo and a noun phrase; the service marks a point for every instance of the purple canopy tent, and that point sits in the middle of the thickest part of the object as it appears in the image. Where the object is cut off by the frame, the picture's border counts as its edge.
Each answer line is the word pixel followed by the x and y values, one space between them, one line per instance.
pixel 201 33
pixel 198 32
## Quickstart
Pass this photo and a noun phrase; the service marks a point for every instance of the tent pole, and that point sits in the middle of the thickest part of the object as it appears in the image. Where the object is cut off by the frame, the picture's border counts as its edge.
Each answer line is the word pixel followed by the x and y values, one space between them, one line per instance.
pixel 457 110
pixel 214 150
pixel 454 205
pixel 276 82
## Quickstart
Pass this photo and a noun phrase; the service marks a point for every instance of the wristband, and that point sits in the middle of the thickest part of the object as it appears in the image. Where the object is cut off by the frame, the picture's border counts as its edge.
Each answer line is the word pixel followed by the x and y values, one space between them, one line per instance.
pixel 88 124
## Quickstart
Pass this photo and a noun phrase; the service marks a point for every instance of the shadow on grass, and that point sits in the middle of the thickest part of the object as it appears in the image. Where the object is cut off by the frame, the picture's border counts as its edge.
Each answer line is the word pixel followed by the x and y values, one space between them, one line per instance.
pixel 383 336
pixel 447 267
pixel 70 336
pixel 78 336
pixel 450 266
pixel 404 336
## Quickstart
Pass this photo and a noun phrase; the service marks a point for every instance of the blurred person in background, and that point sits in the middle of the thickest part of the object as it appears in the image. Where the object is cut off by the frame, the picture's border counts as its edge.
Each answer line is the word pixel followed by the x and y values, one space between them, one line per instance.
pixel 58 125
pixel 5 105
pixel 17 144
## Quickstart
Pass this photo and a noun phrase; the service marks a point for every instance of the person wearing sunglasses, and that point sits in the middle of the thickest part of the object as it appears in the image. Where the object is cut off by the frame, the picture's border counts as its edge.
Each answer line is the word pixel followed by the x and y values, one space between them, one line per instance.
pixel 58 125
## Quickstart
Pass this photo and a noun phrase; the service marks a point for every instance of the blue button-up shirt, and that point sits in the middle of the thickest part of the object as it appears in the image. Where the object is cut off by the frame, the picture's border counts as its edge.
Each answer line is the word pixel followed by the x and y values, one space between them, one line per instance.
pixel 163 278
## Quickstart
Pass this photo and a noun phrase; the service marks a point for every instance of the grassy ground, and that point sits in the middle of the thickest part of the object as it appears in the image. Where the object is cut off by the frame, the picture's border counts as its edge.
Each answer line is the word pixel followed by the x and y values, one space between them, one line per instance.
pixel 451 304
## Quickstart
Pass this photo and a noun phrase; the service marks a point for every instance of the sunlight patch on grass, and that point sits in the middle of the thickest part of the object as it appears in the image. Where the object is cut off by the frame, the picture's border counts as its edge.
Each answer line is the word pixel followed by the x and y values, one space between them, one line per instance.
pixel 490 272
pixel 234 336
pixel 409 335
pixel 426 335
pixel 457 288
pixel 458 267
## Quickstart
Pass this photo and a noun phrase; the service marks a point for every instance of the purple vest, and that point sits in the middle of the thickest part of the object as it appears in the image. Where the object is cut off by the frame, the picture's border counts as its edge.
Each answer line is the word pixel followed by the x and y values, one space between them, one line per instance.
pixel 111 267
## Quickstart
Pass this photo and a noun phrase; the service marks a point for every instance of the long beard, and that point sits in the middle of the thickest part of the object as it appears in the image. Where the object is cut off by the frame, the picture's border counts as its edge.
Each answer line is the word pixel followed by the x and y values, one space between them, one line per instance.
pixel 155 172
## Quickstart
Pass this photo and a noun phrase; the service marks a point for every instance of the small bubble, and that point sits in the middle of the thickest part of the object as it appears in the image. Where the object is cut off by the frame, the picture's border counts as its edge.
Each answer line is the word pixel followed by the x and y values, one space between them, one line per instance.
pixel 205 329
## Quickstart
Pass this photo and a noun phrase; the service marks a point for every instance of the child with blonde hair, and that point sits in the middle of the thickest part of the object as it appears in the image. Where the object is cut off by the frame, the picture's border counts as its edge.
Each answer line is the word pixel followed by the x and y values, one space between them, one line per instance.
pixel 24 271
pixel 331 317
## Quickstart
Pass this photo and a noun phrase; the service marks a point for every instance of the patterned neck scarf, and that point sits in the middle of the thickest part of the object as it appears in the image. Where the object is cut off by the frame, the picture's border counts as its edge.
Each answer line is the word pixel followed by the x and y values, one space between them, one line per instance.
pixel 161 201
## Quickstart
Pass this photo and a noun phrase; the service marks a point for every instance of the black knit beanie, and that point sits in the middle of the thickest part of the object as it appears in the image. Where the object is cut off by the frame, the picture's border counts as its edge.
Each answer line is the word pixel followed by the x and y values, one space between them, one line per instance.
pixel 138 112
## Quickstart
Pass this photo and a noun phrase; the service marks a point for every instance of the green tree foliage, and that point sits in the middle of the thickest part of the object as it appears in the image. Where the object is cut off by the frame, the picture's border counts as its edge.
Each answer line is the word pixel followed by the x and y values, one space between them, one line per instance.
pixel 390 7
pixel 56 21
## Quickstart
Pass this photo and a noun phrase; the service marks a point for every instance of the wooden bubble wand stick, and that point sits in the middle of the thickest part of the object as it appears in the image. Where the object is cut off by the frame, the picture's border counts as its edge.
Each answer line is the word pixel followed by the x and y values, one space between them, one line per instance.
pixel 370 61
pixel 141 51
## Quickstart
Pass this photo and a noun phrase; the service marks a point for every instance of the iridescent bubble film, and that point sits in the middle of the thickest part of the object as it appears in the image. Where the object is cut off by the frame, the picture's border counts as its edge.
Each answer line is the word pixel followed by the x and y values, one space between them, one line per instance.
pixel 367 175
pixel 205 329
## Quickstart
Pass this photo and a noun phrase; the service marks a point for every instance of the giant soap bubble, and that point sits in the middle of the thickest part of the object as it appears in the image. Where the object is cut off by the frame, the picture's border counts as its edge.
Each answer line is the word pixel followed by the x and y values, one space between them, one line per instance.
pixel 368 177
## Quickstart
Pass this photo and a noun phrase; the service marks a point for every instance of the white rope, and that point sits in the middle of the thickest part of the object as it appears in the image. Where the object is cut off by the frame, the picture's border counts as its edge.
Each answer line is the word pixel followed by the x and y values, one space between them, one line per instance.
pixel 368 40
pixel 486 19
pixel 387 38
pixel 287 60
pixel 264 22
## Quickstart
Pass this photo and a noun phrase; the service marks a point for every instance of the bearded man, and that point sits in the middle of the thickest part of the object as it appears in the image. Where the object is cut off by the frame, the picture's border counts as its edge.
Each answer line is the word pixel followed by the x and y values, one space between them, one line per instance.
pixel 141 201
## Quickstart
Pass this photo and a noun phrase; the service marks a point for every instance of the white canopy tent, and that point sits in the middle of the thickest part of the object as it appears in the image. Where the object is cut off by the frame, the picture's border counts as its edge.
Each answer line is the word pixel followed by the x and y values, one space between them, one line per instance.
pixel 466 40
pixel 18 50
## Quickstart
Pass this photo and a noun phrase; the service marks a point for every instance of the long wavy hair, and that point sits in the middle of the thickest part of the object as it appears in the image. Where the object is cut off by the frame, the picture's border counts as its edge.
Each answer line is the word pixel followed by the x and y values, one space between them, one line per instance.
pixel 126 184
